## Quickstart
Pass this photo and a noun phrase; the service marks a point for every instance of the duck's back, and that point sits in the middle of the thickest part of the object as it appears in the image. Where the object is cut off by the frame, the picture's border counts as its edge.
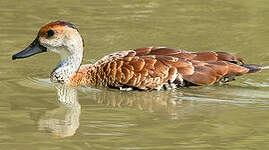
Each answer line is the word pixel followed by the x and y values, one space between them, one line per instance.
pixel 160 67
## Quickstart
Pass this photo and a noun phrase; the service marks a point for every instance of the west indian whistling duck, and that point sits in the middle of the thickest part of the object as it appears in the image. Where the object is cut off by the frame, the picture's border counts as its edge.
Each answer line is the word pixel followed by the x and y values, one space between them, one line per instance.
pixel 142 69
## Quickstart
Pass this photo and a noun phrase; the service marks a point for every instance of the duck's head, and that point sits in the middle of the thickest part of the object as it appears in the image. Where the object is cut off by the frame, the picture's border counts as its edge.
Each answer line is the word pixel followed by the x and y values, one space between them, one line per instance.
pixel 60 36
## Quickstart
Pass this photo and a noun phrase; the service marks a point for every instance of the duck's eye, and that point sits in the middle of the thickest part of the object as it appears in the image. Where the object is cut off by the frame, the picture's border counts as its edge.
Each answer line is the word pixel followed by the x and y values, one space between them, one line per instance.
pixel 51 33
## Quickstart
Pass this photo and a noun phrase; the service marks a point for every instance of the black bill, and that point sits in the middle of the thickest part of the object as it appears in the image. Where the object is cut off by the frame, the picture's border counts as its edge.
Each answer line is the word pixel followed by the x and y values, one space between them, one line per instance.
pixel 32 49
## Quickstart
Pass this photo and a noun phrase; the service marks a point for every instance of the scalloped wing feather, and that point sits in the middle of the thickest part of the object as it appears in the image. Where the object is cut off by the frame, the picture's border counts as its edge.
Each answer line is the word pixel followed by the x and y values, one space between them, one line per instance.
pixel 159 67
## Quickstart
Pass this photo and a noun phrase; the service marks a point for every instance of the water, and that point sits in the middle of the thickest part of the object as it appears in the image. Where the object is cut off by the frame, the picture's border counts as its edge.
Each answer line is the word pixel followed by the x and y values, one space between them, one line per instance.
pixel 231 116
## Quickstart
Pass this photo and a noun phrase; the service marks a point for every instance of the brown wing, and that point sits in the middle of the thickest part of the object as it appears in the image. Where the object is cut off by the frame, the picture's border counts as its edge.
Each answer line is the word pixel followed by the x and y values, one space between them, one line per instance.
pixel 156 67
pixel 159 67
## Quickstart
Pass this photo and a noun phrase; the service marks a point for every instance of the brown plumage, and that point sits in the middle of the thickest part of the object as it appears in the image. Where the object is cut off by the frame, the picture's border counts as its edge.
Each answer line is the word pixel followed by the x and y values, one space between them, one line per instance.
pixel 159 67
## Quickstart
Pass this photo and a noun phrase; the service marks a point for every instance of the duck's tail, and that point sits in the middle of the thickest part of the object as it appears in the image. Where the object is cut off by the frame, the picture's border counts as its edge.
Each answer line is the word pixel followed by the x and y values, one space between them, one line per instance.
pixel 254 68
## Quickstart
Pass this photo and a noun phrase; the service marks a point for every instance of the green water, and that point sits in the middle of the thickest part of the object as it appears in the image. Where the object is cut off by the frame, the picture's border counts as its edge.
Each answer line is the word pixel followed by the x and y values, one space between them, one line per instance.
pixel 231 116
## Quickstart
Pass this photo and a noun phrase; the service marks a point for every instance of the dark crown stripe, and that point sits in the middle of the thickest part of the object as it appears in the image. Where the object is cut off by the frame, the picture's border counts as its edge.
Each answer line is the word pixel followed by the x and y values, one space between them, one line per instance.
pixel 65 23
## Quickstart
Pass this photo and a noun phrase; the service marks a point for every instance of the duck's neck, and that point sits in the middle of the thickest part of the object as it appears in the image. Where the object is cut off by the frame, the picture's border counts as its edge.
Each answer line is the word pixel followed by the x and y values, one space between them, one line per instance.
pixel 66 68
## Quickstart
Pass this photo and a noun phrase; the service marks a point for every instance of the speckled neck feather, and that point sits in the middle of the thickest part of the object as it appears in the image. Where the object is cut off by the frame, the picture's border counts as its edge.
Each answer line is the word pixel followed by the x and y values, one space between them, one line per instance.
pixel 66 68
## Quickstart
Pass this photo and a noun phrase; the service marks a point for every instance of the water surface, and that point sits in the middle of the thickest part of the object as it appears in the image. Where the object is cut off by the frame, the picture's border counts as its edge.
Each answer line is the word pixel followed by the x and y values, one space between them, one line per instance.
pixel 231 116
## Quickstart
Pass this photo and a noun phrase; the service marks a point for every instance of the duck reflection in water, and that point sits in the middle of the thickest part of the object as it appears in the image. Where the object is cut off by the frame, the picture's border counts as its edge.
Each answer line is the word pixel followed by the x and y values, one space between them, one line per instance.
pixel 64 120
pixel 153 101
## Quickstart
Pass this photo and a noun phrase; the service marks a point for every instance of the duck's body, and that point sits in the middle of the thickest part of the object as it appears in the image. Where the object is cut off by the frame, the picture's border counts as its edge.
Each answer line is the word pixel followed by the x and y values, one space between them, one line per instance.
pixel 157 68
pixel 144 68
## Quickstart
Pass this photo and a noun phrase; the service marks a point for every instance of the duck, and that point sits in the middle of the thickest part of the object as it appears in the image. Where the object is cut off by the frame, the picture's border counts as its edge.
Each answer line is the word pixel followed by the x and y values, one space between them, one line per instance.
pixel 148 68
